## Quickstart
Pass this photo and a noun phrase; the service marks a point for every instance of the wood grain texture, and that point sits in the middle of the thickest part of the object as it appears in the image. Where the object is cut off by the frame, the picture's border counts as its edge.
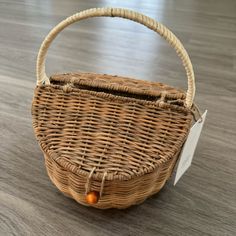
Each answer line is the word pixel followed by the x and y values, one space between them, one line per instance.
pixel 204 201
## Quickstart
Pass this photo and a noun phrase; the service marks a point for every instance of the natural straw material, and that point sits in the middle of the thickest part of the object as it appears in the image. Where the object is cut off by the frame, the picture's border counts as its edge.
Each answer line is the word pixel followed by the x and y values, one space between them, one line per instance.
pixel 127 14
pixel 111 135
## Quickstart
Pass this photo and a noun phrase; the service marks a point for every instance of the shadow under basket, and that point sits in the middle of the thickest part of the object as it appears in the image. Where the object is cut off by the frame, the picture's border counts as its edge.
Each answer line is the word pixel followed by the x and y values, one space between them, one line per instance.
pixel 95 139
pixel 110 141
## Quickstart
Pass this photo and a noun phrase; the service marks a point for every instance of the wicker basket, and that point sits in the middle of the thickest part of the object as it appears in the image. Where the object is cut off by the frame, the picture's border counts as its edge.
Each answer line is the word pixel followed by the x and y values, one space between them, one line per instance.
pixel 110 141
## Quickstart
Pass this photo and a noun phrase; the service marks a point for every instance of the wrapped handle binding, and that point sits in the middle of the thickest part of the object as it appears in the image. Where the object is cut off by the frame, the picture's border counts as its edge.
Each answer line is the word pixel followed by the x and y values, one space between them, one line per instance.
pixel 127 14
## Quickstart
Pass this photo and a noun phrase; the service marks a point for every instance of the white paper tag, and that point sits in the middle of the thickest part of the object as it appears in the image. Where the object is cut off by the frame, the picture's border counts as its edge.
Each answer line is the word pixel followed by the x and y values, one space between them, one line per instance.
pixel 189 147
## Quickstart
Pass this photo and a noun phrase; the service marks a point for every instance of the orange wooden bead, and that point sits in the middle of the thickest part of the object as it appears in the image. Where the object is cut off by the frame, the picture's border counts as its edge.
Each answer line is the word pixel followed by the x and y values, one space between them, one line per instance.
pixel 92 197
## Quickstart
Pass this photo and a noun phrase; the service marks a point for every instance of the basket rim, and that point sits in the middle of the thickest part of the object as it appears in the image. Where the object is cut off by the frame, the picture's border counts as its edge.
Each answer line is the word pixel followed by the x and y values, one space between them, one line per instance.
pixel 72 168
pixel 78 78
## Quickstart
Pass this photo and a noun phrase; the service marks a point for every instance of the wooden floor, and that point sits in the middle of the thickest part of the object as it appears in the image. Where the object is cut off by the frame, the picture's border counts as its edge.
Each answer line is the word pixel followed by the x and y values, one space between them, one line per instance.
pixel 204 201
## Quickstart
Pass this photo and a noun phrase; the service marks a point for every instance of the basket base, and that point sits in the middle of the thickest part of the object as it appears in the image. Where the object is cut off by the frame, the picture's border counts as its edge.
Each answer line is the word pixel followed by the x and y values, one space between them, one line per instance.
pixel 65 182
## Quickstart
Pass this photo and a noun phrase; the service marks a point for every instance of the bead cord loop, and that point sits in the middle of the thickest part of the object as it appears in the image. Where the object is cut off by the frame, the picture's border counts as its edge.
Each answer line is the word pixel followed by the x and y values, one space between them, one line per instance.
pixel 88 183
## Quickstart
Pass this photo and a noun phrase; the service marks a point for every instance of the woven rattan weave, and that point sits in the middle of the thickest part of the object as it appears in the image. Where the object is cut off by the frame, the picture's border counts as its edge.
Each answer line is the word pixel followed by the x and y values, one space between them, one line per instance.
pixel 112 135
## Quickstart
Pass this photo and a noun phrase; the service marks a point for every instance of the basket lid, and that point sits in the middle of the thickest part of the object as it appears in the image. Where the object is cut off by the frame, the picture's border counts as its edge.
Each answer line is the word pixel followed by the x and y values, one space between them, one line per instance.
pixel 89 126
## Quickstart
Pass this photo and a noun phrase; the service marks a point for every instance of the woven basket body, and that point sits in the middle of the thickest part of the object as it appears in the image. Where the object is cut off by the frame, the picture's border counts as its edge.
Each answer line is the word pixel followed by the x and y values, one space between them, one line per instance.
pixel 115 136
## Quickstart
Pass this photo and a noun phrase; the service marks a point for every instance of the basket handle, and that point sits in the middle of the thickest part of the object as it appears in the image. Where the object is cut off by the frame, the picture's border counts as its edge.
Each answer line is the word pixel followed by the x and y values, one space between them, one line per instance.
pixel 127 14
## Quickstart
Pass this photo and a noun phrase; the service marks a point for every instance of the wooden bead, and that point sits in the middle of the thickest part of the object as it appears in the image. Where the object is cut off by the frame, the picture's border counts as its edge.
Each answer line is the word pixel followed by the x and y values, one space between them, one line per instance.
pixel 92 197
